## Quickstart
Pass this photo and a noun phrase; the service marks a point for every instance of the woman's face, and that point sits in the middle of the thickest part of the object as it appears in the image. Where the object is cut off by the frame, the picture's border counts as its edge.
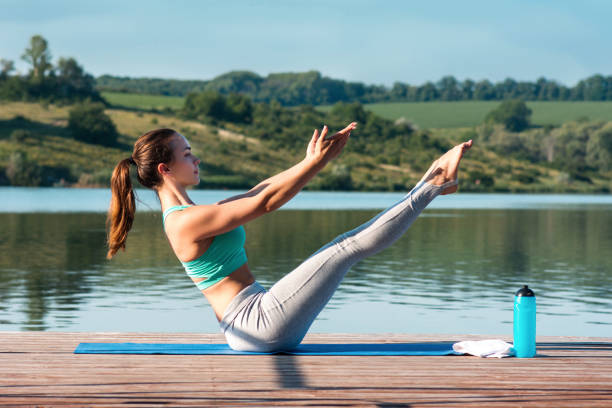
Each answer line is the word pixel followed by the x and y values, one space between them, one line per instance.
pixel 185 166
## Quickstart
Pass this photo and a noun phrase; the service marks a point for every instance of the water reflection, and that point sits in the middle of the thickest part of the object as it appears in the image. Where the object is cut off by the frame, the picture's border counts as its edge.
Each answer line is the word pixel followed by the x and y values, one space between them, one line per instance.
pixel 454 271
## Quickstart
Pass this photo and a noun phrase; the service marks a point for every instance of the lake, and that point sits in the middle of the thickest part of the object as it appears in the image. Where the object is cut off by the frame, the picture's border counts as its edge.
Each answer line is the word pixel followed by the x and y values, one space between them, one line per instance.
pixel 454 271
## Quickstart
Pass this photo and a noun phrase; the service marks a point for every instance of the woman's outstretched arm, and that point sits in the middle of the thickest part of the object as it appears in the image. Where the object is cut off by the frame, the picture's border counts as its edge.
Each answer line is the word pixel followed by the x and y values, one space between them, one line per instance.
pixel 299 173
pixel 283 186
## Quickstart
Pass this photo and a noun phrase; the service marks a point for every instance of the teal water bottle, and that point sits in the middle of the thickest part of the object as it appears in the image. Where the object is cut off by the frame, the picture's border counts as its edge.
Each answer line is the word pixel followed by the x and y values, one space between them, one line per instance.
pixel 525 323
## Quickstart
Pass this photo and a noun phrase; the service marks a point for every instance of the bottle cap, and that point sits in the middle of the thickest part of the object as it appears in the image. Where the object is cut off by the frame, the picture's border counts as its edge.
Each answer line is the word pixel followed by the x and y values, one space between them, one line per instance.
pixel 525 291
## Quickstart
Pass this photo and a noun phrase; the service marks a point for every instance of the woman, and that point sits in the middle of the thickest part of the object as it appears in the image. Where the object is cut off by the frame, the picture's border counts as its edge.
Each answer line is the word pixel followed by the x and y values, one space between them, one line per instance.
pixel 209 239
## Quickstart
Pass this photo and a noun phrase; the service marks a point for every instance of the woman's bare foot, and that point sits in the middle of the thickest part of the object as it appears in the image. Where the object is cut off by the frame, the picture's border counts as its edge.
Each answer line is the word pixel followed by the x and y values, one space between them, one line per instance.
pixel 443 171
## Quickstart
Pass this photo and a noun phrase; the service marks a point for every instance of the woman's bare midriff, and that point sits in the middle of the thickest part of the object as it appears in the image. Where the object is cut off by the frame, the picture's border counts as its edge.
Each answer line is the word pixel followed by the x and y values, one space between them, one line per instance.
pixel 221 293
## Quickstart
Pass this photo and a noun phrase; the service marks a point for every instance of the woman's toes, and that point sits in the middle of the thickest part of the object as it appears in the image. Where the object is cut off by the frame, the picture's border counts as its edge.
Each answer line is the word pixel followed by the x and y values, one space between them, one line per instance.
pixel 445 168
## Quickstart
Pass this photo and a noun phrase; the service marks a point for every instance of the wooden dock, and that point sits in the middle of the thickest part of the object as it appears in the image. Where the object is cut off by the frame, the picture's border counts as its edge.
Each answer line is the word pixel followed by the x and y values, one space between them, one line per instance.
pixel 39 369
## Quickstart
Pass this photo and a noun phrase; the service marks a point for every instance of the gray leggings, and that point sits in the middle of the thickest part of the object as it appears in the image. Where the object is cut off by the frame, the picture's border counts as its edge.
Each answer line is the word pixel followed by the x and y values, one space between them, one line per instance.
pixel 278 319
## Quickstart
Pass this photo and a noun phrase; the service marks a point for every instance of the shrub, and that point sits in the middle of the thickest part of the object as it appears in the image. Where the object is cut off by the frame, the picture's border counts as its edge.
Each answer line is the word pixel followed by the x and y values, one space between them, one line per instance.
pixel 524 178
pixel 406 126
pixel 577 175
pixel 478 177
pixel 469 134
pixel 339 178
pixel 4 181
pixel 88 123
pixel 21 171
pixel 513 114
pixel 20 135
pixel 99 178
pixel 563 178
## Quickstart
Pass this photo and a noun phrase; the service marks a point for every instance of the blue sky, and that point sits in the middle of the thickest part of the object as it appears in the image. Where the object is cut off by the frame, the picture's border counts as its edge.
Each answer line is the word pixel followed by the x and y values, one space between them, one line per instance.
pixel 375 42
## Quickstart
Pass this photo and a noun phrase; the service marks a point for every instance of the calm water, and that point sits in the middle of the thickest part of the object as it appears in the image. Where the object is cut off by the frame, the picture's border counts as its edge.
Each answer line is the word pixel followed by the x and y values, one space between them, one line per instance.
pixel 454 271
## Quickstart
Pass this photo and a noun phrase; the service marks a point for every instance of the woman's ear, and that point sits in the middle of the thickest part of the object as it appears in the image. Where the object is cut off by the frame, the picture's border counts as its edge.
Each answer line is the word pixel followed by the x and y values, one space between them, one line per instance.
pixel 163 168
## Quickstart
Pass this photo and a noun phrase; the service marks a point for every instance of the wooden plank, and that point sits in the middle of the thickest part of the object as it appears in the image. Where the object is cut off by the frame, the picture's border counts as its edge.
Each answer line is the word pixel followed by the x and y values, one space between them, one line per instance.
pixel 40 369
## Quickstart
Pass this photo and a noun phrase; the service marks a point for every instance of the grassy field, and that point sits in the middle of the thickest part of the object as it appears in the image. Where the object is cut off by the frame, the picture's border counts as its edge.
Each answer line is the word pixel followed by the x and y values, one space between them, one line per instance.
pixel 470 113
pixel 143 101
pixel 424 114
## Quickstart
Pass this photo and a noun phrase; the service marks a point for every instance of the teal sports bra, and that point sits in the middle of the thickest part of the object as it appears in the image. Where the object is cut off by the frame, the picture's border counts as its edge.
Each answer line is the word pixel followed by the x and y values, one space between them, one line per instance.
pixel 225 254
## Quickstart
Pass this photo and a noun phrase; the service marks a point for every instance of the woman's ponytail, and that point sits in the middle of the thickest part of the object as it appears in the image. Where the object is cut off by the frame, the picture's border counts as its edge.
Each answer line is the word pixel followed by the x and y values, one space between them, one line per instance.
pixel 150 149
pixel 122 207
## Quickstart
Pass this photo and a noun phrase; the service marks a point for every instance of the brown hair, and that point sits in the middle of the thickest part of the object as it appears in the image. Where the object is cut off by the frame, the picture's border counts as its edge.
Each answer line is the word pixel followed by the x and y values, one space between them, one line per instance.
pixel 150 149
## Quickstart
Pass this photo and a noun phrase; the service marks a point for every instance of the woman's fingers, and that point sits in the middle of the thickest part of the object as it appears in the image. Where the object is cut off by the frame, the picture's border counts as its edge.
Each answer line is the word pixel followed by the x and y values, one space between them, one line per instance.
pixel 323 133
pixel 346 130
pixel 312 147
pixel 342 135
pixel 350 127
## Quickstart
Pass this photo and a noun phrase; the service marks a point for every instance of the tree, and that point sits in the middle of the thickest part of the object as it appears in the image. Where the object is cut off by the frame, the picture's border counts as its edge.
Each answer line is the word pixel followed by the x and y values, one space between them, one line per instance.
pixel 506 89
pixel 513 114
pixel 239 108
pixel 428 92
pixel 7 67
pixel 211 106
pixel 349 112
pixel 203 105
pixel 67 82
pixel 484 90
pixel 399 91
pixel 467 89
pixel 88 123
pixel 39 56
pixel 596 88
pixel 449 88
pixel 235 82
pixel 73 81
pixel 599 148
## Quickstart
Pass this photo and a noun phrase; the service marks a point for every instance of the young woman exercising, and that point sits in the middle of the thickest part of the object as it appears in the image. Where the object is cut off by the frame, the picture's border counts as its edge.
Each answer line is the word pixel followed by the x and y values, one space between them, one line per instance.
pixel 209 239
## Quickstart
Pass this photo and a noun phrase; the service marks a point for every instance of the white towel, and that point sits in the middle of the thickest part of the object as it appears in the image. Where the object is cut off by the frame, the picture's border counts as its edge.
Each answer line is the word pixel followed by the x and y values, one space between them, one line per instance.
pixel 485 348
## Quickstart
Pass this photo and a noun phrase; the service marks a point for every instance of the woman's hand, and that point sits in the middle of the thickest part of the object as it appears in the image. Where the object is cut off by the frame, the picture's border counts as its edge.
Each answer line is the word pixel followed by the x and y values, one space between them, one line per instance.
pixel 323 148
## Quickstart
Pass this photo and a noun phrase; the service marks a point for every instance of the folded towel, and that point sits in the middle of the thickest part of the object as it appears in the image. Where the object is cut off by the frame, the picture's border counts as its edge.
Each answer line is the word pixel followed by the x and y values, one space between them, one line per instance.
pixel 485 348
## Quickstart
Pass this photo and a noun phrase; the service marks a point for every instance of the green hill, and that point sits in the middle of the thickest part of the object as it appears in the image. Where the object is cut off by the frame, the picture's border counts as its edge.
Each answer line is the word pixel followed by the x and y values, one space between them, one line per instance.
pixel 233 160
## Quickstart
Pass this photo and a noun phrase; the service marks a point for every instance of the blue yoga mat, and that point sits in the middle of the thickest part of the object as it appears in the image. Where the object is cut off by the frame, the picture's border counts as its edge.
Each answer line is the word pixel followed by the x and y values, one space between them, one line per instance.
pixel 349 349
